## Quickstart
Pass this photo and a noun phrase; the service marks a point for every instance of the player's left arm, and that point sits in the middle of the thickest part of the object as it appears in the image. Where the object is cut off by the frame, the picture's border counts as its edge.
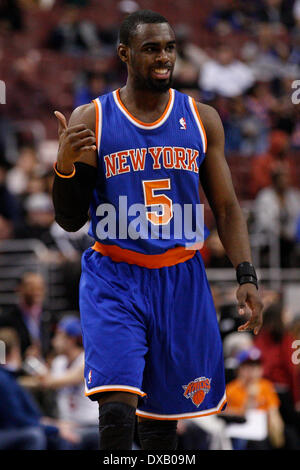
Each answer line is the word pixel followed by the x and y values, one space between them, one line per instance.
pixel 217 184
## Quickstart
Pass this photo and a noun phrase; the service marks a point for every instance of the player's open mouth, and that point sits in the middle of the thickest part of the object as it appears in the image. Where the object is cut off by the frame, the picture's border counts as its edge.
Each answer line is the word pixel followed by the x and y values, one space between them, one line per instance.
pixel 161 73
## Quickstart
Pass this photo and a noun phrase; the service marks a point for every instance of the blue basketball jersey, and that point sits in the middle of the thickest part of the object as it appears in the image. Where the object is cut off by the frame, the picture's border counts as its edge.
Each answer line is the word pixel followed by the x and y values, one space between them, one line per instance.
pixel 147 194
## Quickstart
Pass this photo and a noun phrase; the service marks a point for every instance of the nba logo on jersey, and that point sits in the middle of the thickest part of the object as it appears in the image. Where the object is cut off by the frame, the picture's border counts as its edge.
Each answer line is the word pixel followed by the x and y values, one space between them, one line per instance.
pixel 90 376
pixel 182 123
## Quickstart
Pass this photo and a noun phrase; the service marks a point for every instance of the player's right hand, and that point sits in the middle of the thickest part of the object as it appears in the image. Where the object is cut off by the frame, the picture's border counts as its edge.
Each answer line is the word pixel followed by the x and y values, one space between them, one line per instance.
pixel 73 142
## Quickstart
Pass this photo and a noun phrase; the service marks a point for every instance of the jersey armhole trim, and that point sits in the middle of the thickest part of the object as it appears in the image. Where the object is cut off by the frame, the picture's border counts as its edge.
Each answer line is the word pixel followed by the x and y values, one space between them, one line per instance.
pixel 199 122
pixel 98 125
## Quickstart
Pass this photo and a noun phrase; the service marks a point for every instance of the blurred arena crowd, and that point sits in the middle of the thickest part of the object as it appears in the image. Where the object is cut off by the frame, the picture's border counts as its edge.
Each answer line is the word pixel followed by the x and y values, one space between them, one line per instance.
pixel 243 58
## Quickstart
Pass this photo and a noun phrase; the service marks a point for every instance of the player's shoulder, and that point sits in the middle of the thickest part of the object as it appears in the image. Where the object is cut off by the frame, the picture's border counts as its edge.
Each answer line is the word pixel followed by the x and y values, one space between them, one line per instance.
pixel 211 120
pixel 208 114
pixel 84 114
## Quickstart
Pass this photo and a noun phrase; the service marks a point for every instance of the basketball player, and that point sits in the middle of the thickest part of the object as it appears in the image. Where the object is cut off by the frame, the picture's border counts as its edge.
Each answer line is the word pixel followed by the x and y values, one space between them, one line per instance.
pixel 152 344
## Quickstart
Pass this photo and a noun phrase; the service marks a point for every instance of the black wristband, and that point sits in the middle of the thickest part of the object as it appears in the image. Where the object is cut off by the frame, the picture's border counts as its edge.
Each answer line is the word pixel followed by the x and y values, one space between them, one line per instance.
pixel 245 273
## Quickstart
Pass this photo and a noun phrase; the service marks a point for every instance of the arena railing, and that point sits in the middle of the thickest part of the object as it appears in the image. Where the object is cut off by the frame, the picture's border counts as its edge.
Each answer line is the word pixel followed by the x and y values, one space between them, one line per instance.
pixel 20 256
pixel 16 258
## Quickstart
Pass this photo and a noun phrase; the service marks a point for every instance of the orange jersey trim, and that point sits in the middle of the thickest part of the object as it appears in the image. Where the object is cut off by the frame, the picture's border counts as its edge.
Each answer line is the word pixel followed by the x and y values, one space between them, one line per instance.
pixel 61 175
pixel 108 389
pixel 147 124
pixel 187 416
pixel 200 122
pixel 169 258
pixel 97 122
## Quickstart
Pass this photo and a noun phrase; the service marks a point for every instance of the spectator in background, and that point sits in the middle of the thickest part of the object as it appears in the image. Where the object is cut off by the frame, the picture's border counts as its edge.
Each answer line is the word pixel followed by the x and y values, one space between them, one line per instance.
pixel 276 212
pixel 249 391
pixel 275 343
pixel 36 185
pixel 28 96
pixel 93 85
pixel 268 55
pixel 215 256
pixel 295 52
pixel 109 34
pixel 244 131
pixel 63 248
pixel 279 13
pixel 67 379
pixel 22 426
pixel 25 169
pixel 8 140
pixel 29 317
pixel 11 18
pixel 260 102
pixel 226 75
pixel 190 58
pixel 6 228
pixel 233 344
pixel 296 11
pixel 263 165
pixel 38 220
pixel 225 17
pixel 73 35
pixel 9 207
pixel 295 138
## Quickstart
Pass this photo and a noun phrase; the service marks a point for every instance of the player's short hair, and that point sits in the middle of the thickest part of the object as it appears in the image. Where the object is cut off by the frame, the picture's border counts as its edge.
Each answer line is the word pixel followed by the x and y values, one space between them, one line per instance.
pixel 129 25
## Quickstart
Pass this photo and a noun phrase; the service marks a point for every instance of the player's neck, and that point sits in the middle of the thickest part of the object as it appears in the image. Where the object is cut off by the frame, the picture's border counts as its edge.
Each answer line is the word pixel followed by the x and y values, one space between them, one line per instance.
pixel 146 105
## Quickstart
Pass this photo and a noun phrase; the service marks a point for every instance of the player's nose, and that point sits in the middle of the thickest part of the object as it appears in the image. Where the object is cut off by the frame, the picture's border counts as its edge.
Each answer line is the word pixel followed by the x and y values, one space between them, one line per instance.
pixel 163 57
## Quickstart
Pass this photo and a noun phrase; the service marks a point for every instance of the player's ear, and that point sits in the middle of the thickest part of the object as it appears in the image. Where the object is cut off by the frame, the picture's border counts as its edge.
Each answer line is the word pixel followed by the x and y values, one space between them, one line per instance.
pixel 123 52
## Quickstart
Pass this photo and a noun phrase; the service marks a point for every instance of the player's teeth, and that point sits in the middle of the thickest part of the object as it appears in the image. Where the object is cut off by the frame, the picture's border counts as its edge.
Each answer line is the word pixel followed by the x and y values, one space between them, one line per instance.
pixel 161 70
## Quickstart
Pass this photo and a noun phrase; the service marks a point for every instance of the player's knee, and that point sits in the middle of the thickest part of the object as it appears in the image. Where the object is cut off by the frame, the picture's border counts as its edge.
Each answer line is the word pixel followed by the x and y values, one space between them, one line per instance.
pixel 156 435
pixel 116 425
pixel 116 413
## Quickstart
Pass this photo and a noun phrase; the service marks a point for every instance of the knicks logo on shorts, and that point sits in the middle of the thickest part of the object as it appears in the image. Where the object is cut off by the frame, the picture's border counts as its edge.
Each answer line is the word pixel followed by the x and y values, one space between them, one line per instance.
pixel 197 389
pixel 90 377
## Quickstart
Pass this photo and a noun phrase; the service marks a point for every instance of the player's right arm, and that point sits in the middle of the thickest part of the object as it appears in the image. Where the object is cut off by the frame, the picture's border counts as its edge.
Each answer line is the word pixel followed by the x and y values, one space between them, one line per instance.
pixel 76 168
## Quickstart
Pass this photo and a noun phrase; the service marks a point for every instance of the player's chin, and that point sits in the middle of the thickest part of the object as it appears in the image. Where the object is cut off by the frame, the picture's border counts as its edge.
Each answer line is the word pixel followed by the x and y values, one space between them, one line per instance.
pixel 160 84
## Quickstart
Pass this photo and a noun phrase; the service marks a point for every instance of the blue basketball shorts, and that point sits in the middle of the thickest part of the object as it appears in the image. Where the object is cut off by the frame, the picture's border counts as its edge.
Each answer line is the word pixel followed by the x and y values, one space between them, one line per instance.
pixel 152 332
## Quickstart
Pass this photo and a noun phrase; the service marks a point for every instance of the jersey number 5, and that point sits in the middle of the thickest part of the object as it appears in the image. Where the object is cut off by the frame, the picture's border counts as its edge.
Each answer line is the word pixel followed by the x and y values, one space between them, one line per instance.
pixel 152 199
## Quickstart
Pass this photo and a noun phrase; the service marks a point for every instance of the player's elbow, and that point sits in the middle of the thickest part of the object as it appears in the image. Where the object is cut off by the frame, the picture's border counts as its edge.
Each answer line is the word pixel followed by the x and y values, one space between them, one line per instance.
pixel 70 225
pixel 227 209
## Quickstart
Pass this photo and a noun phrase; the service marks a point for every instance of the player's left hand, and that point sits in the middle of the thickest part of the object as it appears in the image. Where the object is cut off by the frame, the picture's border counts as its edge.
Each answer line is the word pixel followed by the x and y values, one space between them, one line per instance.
pixel 247 295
